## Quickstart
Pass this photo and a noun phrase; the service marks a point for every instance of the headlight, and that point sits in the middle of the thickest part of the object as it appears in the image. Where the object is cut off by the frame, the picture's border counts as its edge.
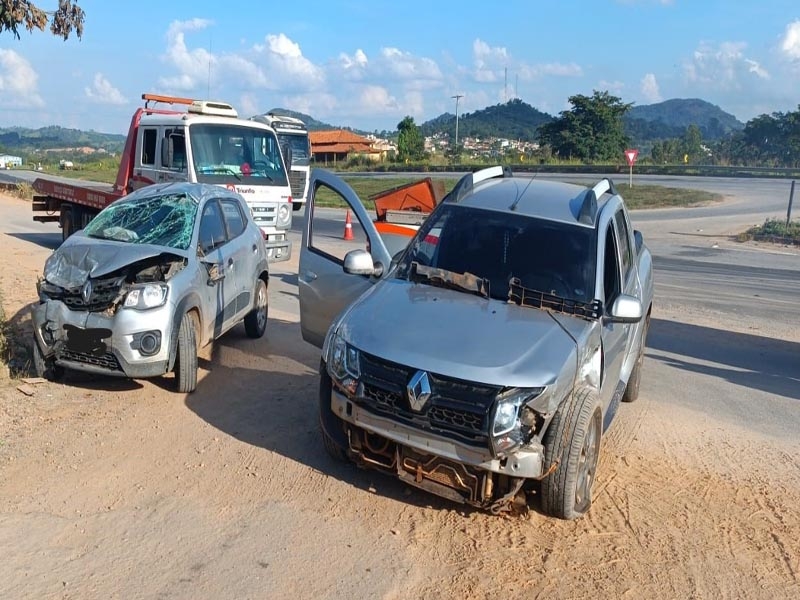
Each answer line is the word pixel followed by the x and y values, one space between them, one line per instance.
pixel 284 214
pixel 146 296
pixel 509 431
pixel 343 363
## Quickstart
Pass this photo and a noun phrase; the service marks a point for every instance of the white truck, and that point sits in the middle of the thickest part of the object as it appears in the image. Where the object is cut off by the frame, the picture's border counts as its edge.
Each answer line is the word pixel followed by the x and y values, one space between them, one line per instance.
pixel 206 142
pixel 293 138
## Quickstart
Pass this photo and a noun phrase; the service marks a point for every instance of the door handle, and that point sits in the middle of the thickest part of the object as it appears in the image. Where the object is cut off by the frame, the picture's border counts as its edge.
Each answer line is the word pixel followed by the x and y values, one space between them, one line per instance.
pixel 255 248
pixel 309 275
pixel 230 263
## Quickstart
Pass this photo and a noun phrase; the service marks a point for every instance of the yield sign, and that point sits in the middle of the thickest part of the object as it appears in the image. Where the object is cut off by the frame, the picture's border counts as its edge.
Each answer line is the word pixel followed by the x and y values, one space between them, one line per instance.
pixel 630 156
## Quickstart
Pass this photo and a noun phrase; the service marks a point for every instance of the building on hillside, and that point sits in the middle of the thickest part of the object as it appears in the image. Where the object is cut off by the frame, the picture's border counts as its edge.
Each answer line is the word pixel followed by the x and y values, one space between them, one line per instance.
pixel 330 147
pixel 8 161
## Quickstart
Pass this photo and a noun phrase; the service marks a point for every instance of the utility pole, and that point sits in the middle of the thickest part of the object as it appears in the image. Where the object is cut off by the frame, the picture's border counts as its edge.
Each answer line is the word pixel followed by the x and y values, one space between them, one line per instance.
pixel 457 98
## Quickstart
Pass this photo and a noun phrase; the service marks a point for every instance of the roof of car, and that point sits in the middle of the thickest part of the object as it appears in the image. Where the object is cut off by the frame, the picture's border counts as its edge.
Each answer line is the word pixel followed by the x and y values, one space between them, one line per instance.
pixel 199 191
pixel 552 200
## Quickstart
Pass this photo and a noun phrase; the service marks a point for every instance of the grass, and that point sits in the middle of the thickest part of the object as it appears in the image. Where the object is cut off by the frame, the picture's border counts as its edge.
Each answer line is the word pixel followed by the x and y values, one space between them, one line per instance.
pixel 775 231
pixel 4 345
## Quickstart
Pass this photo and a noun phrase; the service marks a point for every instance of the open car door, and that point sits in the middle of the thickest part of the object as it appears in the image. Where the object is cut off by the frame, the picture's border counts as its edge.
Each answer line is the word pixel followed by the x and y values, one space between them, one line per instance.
pixel 324 287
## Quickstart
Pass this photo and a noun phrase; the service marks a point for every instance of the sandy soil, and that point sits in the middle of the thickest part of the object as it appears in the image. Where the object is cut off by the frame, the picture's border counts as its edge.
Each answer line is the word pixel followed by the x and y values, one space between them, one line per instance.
pixel 116 489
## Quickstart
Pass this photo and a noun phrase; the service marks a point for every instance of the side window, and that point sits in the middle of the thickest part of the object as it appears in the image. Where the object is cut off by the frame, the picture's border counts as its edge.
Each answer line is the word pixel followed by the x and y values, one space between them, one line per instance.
pixel 329 232
pixel 611 273
pixel 149 138
pixel 625 242
pixel 212 228
pixel 233 217
pixel 178 148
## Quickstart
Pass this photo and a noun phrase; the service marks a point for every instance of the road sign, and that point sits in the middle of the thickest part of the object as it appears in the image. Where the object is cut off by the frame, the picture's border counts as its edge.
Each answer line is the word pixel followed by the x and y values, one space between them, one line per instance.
pixel 630 156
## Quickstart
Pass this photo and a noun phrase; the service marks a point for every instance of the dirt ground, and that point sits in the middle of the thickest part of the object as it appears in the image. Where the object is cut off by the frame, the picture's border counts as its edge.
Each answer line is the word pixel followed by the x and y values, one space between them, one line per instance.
pixel 117 489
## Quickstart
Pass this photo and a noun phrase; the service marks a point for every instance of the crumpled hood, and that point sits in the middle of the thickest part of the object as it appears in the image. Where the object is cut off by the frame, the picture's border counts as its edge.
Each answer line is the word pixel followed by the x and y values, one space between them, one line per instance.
pixel 460 335
pixel 80 258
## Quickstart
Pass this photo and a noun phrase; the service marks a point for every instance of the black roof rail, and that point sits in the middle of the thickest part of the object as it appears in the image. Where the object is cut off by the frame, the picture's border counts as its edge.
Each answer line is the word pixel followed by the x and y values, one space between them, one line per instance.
pixel 588 212
pixel 468 181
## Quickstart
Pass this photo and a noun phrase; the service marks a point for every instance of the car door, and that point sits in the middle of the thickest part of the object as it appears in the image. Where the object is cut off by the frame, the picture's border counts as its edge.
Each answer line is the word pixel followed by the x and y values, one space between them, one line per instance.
pixel 219 296
pixel 631 285
pixel 243 251
pixel 323 286
pixel 615 335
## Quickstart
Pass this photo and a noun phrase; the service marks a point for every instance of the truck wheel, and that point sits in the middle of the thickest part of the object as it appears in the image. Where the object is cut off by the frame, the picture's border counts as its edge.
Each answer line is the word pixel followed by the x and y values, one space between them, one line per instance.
pixel 255 322
pixel 632 389
pixel 297 206
pixel 572 448
pixel 186 357
pixel 67 223
pixel 331 428
pixel 45 367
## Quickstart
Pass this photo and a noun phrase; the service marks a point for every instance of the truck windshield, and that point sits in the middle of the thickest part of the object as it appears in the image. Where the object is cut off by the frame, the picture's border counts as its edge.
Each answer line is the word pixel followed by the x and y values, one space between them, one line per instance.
pixel 547 256
pixel 301 151
pixel 224 154
pixel 166 220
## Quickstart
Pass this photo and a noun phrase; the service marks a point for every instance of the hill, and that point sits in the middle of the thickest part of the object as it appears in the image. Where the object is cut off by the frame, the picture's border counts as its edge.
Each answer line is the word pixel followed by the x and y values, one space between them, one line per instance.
pixel 669 119
pixel 515 120
pixel 21 140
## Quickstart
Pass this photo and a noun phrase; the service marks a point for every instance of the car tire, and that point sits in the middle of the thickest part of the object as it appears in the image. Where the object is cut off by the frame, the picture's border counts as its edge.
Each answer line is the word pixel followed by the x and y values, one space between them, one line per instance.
pixel 255 322
pixel 572 449
pixel 297 206
pixel 67 223
pixel 334 438
pixel 45 367
pixel 632 388
pixel 186 355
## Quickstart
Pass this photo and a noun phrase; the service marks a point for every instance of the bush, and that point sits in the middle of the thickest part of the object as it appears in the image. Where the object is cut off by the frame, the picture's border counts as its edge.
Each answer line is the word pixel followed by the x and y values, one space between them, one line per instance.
pixel 773 230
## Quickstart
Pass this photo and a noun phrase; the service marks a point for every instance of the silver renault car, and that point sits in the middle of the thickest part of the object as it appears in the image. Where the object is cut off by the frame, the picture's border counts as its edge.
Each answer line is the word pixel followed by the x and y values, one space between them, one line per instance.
pixel 155 275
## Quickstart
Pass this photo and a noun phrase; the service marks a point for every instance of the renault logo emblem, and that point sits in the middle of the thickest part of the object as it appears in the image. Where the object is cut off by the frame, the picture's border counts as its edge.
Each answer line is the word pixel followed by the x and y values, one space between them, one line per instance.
pixel 418 390
pixel 86 291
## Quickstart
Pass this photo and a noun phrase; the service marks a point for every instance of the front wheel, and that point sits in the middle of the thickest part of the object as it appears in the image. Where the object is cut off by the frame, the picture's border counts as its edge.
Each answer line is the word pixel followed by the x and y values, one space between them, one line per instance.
pixel 255 322
pixel 572 449
pixel 334 438
pixel 632 388
pixel 186 357
pixel 45 367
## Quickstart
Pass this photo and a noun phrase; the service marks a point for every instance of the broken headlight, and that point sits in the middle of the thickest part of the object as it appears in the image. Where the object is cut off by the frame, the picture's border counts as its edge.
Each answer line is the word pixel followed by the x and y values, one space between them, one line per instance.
pixel 142 297
pixel 343 363
pixel 512 425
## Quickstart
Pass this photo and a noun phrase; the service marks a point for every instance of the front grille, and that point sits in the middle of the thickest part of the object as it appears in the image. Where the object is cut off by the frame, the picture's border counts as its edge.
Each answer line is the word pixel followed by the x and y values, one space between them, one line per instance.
pixel 105 292
pixel 297 180
pixel 457 409
pixel 105 361
pixel 264 215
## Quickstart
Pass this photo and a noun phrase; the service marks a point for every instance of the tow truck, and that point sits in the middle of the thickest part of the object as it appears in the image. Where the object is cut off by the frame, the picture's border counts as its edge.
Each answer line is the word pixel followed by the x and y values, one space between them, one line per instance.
pixel 190 140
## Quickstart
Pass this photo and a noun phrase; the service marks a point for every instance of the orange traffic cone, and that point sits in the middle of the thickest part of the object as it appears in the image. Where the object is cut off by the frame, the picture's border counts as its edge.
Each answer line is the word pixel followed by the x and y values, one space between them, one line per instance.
pixel 348 227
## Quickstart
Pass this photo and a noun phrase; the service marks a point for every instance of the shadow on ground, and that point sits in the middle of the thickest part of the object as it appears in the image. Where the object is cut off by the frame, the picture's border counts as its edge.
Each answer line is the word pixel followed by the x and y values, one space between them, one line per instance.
pixel 51 241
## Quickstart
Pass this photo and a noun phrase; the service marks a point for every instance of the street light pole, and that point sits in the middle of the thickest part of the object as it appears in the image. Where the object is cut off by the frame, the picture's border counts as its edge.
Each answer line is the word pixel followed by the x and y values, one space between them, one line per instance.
pixel 457 97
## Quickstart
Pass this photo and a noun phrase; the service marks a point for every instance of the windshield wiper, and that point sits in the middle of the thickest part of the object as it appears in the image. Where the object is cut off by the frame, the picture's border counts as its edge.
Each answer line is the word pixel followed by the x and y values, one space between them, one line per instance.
pixel 226 170
pixel 465 282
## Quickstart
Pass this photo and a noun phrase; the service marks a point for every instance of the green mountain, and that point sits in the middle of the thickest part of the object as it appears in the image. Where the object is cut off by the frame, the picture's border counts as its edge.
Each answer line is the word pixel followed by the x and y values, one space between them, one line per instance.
pixel 21 140
pixel 669 119
pixel 515 120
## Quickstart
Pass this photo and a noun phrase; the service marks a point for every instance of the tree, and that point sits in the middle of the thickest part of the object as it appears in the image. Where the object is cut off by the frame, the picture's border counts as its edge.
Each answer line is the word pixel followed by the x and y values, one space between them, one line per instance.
pixel 68 17
pixel 592 130
pixel 410 143
pixel 693 143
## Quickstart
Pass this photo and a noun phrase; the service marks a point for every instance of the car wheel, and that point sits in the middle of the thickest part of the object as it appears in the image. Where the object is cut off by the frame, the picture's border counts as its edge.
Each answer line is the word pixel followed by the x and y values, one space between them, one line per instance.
pixel 331 427
pixel 572 449
pixel 186 355
pixel 632 388
pixel 297 206
pixel 255 322
pixel 45 367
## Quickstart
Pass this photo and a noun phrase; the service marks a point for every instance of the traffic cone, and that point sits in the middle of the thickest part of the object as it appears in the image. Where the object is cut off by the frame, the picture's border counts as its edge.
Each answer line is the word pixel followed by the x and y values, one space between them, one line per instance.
pixel 348 227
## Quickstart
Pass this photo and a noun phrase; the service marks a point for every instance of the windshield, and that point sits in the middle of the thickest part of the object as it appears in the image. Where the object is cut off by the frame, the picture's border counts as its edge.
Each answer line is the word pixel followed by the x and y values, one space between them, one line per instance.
pixel 301 151
pixel 161 220
pixel 225 154
pixel 547 256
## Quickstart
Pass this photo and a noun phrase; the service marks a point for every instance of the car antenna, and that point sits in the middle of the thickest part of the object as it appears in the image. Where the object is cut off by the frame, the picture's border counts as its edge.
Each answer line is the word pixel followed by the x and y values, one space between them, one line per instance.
pixel 520 193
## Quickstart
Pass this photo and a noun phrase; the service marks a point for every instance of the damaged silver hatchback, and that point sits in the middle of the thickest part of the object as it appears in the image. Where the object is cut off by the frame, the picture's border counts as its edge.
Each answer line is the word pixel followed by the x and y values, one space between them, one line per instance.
pixel 154 276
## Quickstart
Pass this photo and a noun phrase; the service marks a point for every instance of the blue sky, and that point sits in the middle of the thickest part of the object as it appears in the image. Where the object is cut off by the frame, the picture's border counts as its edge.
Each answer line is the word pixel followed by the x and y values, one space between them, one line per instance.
pixel 367 64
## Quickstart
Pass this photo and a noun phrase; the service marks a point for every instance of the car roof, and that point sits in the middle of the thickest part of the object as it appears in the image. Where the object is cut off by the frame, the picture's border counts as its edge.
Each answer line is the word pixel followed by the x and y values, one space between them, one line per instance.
pixel 551 200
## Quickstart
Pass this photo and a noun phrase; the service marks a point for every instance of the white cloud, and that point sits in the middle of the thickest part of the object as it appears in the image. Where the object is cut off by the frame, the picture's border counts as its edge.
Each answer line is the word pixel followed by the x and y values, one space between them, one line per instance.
pixel 650 90
pixel 487 59
pixel 723 67
pixel 790 44
pixel 376 99
pixel 612 87
pixel 493 64
pixel 193 65
pixel 18 81
pixel 406 66
pixel 285 64
pixel 102 92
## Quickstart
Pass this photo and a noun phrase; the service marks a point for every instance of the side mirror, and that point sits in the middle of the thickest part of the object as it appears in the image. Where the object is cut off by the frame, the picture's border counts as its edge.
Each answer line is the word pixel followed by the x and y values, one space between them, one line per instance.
pixel 215 273
pixel 359 262
pixel 286 150
pixel 626 309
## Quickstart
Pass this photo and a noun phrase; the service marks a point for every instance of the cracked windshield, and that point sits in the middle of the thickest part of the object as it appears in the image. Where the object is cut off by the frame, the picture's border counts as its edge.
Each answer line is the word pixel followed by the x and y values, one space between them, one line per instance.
pixel 160 220
pixel 228 154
